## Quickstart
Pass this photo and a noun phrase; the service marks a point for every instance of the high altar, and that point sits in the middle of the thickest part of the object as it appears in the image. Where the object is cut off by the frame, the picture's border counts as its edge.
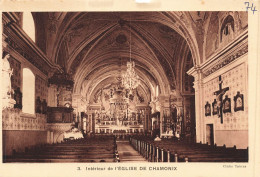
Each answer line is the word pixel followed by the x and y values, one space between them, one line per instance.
pixel 116 110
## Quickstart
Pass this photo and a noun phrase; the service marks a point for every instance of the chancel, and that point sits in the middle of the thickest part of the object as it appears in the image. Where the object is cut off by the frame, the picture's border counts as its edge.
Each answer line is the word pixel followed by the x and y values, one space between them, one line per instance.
pixel 125 86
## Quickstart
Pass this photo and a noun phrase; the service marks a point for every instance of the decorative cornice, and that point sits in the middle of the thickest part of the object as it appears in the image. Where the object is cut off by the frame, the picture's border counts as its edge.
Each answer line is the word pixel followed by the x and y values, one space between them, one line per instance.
pixel 233 51
pixel 19 48
pixel 242 38
pixel 19 41
pixel 227 60
pixel 193 70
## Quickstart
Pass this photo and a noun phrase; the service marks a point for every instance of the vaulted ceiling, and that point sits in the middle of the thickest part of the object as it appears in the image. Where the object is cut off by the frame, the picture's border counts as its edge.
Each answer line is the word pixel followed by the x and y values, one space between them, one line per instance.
pixel 94 47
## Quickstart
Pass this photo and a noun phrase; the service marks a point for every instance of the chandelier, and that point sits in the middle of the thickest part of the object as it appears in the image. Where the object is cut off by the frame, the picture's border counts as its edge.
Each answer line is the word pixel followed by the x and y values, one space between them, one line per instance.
pixel 130 79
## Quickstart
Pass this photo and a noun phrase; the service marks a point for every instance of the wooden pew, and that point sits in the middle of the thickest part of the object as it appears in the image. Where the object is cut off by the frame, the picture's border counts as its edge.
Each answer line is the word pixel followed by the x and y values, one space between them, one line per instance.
pixel 100 149
pixel 168 150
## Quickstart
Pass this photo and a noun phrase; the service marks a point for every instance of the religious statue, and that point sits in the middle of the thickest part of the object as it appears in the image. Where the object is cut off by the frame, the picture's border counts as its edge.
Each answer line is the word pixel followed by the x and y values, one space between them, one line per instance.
pixel 6 83
pixel 6 77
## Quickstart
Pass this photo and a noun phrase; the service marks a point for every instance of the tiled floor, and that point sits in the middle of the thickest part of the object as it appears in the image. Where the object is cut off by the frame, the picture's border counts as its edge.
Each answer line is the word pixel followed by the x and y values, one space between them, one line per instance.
pixel 128 154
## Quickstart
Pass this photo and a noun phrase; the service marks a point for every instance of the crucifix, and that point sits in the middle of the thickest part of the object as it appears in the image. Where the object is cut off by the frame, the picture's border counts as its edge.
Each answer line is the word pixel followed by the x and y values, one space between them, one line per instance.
pixel 219 95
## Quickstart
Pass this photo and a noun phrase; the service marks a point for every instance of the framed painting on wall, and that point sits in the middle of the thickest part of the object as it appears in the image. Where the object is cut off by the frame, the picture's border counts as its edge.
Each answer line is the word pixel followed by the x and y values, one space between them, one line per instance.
pixel 239 102
pixel 207 109
pixel 226 104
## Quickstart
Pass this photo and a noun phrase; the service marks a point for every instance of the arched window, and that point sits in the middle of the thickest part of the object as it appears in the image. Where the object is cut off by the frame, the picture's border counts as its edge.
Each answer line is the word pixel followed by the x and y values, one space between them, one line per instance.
pixel 28 91
pixel 28 25
pixel 227 29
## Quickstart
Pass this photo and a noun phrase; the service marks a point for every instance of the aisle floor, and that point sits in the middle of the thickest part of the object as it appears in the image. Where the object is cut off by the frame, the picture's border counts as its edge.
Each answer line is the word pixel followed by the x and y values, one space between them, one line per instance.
pixel 128 154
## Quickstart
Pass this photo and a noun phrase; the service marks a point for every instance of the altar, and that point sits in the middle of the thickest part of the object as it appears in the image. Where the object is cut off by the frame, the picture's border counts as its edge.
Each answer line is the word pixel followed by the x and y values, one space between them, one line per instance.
pixel 118 129
pixel 115 109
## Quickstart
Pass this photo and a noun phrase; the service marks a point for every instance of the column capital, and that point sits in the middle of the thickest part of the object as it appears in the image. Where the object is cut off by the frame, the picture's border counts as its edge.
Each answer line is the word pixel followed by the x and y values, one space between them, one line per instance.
pixel 198 75
pixel 196 72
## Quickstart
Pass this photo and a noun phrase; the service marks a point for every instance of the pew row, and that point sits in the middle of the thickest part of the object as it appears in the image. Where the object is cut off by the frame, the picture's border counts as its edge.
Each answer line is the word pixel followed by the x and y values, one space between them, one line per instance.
pixel 178 151
pixel 95 149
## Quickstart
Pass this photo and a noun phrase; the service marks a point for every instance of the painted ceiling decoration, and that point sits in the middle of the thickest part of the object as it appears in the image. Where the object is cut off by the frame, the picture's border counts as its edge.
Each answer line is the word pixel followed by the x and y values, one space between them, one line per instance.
pixel 93 47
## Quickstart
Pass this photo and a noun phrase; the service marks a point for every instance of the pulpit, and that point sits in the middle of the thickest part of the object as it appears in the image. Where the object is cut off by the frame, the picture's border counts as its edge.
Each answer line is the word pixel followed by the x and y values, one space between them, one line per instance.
pixel 60 115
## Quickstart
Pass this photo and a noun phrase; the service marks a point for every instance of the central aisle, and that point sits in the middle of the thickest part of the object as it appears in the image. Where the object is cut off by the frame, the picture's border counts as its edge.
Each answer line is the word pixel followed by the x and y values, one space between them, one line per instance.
pixel 128 154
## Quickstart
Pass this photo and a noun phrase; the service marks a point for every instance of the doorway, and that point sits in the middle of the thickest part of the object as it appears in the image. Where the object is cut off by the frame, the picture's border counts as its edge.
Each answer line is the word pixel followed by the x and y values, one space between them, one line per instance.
pixel 209 134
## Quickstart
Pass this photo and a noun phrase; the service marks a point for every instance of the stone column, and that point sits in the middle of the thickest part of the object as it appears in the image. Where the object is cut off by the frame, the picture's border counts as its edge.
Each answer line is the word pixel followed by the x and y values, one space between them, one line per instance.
pixel 199 92
pixel 148 117
pixel 161 119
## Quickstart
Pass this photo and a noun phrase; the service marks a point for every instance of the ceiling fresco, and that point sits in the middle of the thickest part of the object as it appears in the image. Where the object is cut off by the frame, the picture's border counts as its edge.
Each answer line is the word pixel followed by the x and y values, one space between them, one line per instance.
pixel 94 47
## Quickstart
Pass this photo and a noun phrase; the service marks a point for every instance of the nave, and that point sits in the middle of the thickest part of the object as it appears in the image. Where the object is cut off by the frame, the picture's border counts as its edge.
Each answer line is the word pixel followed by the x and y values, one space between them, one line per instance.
pixel 178 76
pixel 137 149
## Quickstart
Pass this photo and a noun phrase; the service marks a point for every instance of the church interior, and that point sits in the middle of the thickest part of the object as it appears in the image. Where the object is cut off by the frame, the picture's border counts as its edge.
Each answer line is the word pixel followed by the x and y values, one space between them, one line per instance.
pixel 125 86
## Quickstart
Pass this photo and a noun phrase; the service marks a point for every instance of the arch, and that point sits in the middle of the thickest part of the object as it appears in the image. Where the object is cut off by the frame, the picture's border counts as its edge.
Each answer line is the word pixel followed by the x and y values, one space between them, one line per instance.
pixel 155 72
pixel 28 25
pixel 186 80
pixel 100 79
pixel 83 60
pixel 170 19
pixel 91 62
pixel 28 91
pixel 225 26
